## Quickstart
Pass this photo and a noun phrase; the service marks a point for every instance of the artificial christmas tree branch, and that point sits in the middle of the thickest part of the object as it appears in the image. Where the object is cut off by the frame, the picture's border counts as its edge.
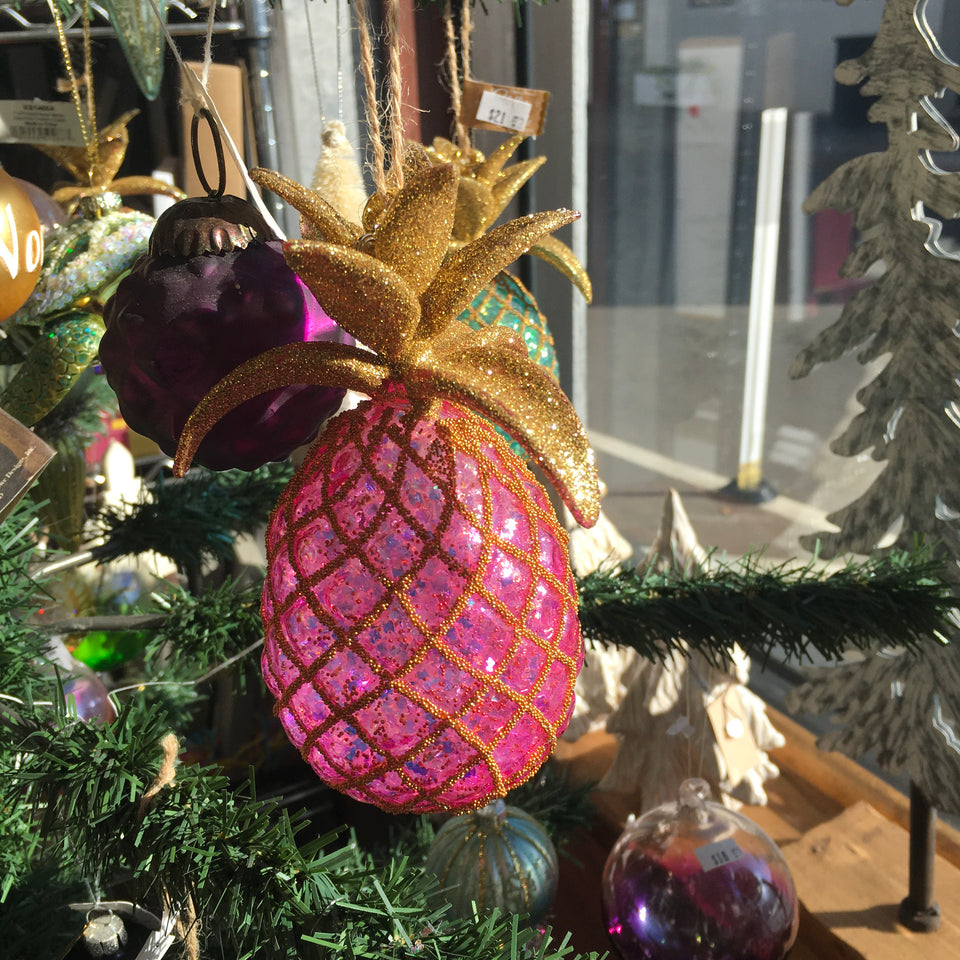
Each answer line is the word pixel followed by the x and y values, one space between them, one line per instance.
pixel 897 600
pixel 195 520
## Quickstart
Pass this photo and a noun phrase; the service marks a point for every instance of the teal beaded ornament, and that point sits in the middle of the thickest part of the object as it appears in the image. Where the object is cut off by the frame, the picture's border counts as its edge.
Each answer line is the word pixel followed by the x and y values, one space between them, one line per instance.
pixel 507 302
pixel 497 857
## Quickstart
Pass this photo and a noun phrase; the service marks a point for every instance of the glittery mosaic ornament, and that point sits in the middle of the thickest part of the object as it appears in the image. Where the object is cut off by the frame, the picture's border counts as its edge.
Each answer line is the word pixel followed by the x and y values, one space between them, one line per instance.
pixel 422 634
pixel 694 881
pixel 213 291
pixel 497 857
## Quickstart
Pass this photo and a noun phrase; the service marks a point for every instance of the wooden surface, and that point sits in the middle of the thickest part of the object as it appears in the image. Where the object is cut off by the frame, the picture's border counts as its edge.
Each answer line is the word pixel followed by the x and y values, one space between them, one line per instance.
pixel 849 873
pixel 813 790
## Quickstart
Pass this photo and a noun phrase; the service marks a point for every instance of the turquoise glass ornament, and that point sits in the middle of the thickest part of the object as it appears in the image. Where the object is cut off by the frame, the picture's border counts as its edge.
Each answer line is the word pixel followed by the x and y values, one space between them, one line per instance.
pixel 497 857
pixel 507 302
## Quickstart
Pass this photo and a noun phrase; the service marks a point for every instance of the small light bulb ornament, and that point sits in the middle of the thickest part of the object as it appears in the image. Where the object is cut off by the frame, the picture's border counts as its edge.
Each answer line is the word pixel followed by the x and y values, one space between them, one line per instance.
pixel 21 246
pixel 422 636
pixel 693 880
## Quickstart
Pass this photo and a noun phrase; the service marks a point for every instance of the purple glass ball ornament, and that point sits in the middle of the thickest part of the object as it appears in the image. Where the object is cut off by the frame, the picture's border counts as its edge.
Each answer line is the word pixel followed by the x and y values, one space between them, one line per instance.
pixel 212 292
pixel 86 694
pixel 694 881
pixel 49 212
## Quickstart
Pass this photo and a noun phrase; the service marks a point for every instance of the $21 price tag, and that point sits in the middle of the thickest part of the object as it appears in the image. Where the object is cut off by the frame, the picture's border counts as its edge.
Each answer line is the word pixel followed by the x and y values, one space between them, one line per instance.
pixel 719 854
pixel 495 107
pixel 503 111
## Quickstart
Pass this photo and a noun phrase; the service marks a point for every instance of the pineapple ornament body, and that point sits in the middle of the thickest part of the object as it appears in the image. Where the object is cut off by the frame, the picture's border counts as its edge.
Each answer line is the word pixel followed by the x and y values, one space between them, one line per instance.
pixel 422 636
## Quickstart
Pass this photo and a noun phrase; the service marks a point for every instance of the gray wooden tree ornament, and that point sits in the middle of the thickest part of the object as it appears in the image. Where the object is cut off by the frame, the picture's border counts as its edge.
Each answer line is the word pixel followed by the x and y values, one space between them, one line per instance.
pixel 685 716
pixel 906 707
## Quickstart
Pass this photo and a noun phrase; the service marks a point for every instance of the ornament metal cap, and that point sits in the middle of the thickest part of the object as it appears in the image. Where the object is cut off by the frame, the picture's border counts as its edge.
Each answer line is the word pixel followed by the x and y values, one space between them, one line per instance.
pixel 104 935
pixel 200 225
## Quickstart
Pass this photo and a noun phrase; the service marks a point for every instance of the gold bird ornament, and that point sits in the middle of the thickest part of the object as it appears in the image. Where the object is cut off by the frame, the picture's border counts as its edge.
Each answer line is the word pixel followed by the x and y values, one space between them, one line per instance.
pixel 95 169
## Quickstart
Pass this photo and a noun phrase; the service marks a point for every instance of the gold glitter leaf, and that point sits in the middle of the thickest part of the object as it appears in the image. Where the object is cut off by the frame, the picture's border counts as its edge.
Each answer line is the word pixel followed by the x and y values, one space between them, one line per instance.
pixel 414 230
pixel 465 271
pixel 506 187
pixel 365 297
pixel 490 168
pixel 317 362
pixel 527 402
pixel 559 255
pixel 476 210
pixel 457 337
pixel 318 221
pixel 415 158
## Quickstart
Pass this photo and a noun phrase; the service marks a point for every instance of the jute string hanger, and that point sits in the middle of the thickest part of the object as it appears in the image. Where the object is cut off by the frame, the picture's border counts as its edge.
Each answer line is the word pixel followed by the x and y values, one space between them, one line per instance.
pixel 392 109
pixel 461 134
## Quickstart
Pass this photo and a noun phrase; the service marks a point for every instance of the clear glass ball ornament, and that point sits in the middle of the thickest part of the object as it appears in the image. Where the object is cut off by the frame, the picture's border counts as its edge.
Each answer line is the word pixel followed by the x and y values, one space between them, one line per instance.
pixel 693 880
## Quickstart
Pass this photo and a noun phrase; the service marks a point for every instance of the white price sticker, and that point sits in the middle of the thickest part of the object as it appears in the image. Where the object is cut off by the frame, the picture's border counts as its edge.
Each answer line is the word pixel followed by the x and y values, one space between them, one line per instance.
pixel 718 854
pixel 54 123
pixel 507 112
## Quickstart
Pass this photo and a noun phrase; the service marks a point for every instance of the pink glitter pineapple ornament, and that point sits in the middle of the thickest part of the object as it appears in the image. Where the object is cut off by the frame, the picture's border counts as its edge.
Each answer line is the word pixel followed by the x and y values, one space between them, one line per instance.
pixel 422 636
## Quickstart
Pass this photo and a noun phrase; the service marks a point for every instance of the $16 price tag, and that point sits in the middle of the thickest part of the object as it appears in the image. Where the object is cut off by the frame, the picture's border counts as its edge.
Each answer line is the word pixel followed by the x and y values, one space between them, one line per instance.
pixel 718 854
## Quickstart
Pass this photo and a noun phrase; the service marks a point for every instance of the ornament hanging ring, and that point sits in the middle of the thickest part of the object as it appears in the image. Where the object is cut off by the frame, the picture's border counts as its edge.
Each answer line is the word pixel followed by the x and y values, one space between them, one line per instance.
pixel 205 114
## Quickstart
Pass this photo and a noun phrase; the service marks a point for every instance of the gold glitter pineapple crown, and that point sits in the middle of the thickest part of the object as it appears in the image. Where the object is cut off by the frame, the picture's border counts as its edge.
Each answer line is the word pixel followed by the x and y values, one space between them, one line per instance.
pixel 396 286
pixel 486 187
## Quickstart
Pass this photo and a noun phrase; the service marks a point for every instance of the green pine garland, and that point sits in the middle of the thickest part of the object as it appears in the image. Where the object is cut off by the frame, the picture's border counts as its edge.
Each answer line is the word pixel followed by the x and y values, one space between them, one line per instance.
pixel 195 520
pixel 896 600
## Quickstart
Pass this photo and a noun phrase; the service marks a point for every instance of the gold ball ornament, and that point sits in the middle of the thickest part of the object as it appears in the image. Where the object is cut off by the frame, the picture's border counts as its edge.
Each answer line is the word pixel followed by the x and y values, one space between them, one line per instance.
pixel 21 246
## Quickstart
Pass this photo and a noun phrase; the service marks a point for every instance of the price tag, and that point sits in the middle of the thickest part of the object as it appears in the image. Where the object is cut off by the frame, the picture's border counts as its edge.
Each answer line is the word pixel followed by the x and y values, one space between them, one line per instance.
pixel 51 122
pixel 718 854
pixel 503 111
pixel 492 107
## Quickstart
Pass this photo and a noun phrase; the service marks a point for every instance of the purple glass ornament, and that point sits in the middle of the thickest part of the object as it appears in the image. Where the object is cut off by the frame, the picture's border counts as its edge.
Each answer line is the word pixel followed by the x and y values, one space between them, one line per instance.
pixel 89 698
pixel 50 213
pixel 192 310
pixel 695 881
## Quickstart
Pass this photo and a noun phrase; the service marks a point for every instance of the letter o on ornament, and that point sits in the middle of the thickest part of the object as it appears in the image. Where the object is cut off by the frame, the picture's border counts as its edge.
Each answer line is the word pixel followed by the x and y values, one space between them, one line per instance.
pixel 21 246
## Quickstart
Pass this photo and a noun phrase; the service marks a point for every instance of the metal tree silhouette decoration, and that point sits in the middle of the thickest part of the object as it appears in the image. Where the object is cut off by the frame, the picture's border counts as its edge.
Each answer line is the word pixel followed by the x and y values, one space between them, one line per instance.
pixel 906 707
